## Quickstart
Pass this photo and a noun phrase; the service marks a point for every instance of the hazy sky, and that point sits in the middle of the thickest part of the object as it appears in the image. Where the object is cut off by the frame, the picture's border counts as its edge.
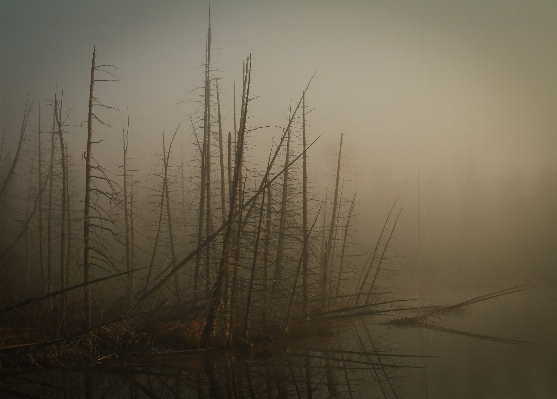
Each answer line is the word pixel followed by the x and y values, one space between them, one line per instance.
pixel 415 85
pixel 412 79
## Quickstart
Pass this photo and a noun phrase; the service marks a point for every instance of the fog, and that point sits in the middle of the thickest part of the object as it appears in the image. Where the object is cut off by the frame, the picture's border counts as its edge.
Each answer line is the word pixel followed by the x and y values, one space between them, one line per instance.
pixel 447 108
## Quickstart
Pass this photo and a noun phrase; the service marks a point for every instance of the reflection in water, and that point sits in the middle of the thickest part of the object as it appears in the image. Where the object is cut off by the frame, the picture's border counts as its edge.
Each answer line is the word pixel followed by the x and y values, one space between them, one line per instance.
pixel 376 356
pixel 359 356
pixel 343 364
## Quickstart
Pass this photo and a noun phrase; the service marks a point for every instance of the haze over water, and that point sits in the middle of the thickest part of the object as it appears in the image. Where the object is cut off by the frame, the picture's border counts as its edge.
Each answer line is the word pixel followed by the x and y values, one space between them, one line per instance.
pixel 448 106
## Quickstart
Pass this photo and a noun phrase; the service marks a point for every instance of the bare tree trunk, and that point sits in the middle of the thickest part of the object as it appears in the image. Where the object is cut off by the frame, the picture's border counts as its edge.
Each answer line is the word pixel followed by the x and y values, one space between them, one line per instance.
pixel 87 210
pixel 236 262
pixel 207 135
pixel 229 164
pixel 126 212
pixel 169 217
pixel 41 241
pixel 236 231
pixel 27 257
pixel 25 226
pixel 223 265
pixel 132 238
pixel 305 243
pixel 254 263
pixel 58 113
pixel 229 173
pixel 341 267
pixel 69 218
pixel 372 257
pixel 11 172
pixel 282 231
pixel 161 213
pixel 382 257
pixel 304 210
pixel 200 222
pixel 184 214
pixel 267 247
pixel 323 250
pixel 219 287
pixel 235 129
pixel 50 203
pixel 331 230
pixel 221 156
pixel 279 146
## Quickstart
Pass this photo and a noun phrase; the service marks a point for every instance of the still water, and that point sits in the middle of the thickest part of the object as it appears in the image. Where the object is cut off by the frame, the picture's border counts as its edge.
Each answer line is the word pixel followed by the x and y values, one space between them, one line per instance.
pixel 456 355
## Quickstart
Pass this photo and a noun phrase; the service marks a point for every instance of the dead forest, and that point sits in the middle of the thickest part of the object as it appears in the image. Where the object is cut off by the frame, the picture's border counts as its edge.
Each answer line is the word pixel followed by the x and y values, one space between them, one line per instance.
pixel 230 257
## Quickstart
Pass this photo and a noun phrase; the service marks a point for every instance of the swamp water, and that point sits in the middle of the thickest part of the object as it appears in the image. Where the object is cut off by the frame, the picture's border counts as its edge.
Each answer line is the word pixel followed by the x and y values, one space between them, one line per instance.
pixel 462 354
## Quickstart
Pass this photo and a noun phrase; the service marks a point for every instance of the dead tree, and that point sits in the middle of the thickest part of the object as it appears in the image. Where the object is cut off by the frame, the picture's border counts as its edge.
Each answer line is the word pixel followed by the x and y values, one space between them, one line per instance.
pixel 200 221
pixel 304 210
pixel 371 258
pixel 69 218
pixel 267 245
pixel 183 185
pixel 50 204
pixel 126 211
pixel 378 268
pixel 26 240
pixel 89 241
pixel 26 225
pixel 58 117
pixel 207 138
pixel 346 227
pixel 328 248
pixel 11 172
pixel 215 299
pixel 254 263
pixel 41 240
pixel 166 158
pixel 159 225
pixel 237 235
pixel 131 282
pixel 87 210
pixel 221 158
pixel 282 231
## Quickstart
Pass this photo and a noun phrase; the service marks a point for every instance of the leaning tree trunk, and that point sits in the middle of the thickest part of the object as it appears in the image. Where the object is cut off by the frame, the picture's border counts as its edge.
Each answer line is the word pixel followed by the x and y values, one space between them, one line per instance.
pixel 331 231
pixel 267 247
pixel 169 219
pixel 282 231
pixel 254 263
pixel 159 226
pixel 346 227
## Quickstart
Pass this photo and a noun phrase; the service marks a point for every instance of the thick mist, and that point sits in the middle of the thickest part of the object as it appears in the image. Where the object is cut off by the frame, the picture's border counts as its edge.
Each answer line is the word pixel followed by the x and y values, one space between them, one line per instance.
pixel 447 108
